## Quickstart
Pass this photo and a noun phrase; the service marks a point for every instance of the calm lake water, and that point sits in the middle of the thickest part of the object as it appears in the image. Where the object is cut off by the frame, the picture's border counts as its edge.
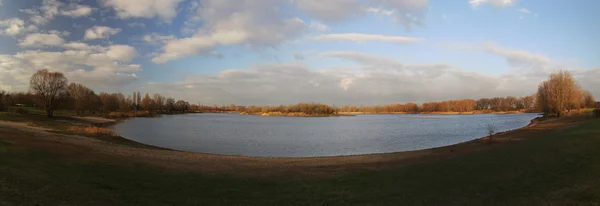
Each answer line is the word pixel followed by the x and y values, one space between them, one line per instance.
pixel 233 134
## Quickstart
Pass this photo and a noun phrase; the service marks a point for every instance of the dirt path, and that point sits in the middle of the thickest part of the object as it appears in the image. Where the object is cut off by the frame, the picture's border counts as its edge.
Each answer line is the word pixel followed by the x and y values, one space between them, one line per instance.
pixel 81 148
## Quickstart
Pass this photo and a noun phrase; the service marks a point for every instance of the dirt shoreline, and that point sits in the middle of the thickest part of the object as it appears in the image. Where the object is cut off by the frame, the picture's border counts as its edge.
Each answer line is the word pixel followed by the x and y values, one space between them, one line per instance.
pixel 87 149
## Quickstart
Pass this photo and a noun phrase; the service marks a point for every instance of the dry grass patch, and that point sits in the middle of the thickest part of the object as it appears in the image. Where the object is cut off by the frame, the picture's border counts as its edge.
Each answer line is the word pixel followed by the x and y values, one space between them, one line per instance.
pixel 91 130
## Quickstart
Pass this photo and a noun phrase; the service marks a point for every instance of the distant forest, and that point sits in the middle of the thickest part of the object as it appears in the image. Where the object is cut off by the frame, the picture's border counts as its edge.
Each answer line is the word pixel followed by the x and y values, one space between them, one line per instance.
pixel 51 91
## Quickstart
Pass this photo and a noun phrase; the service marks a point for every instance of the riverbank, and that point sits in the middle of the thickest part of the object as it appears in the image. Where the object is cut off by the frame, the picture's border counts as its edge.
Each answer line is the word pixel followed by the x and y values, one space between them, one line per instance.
pixel 516 167
pixel 438 113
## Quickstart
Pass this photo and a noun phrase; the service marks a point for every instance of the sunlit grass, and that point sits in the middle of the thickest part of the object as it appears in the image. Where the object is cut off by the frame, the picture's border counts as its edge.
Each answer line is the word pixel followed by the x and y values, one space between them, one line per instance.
pixel 91 130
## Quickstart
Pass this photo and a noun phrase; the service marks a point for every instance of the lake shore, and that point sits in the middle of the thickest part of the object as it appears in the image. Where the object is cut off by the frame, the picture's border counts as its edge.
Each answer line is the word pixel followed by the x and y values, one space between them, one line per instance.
pixel 436 113
pixel 553 161
pixel 293 114
pixel 262 166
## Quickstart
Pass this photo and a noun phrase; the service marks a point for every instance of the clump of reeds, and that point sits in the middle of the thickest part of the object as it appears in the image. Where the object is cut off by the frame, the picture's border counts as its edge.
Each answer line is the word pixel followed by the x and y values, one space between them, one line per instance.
pixel 91 130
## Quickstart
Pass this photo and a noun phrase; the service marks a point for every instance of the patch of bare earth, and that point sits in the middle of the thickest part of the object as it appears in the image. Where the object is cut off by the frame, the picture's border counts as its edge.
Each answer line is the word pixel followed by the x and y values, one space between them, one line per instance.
pixel 80 148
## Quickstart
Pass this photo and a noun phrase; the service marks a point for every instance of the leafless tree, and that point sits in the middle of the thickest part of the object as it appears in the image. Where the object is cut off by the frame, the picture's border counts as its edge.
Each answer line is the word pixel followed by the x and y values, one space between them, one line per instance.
pixel 588 99
pixel 170 104
pixel 49 88
pixel 82 97
pixel 159 102
pixel 558 94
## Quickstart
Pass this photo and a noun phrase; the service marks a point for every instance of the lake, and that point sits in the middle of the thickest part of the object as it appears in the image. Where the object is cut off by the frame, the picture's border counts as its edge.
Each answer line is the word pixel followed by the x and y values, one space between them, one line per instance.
pixel 249 135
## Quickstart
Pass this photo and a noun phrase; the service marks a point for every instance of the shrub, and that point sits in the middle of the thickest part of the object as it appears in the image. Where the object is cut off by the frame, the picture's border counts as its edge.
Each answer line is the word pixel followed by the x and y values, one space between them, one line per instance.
pixel 597 113
pixel 491 131
pixel 91 130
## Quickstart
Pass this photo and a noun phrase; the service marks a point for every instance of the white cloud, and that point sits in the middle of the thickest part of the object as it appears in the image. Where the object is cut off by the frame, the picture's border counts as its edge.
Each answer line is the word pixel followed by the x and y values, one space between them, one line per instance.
pixel 331 10
pixel 179 48
pixel 405 12
pixel 15 26
pixel 136 24
pixel 374 79
pixel 499 3
pixel 318 26
pixel 51 8
pixel 357 37
pixel 157 38
pixel 517 58
pixel 96 66
pixel 100 32
pixel 81 46
pixel 122 53
pixel 78 11
pixel 40 40
pixel 255 24
pixel 165 9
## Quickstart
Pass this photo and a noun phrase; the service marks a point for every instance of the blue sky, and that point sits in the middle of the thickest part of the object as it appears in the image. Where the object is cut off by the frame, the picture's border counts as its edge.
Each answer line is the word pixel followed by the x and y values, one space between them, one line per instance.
pixel 283 52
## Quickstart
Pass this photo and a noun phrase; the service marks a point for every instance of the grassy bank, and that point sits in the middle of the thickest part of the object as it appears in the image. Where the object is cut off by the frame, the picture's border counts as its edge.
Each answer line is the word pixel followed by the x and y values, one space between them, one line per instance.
pixel 543 167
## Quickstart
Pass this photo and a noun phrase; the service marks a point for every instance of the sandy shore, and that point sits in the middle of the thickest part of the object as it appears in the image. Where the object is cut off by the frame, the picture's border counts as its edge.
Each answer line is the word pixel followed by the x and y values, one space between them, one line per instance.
pixel 82 148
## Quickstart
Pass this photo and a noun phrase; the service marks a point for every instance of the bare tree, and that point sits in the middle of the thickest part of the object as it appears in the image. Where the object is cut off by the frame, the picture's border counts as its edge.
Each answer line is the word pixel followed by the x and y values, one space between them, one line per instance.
pixel 49 88
pixel 181 106
pixel 81 97
pixel 170 104
pixel 159 102
pixel 588 99
pixel 558 94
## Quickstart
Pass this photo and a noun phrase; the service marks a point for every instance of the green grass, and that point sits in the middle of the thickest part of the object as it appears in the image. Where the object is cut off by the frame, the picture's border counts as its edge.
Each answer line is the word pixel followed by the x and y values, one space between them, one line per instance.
pixel 558 169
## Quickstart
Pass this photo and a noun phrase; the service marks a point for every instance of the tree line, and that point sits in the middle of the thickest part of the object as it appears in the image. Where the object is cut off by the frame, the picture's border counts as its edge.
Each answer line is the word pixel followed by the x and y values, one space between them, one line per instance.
pixel 496 104
pixel 51 91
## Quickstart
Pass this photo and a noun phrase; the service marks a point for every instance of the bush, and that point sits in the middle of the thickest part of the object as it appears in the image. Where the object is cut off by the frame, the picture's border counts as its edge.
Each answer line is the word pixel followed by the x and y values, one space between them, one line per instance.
pixel 597 113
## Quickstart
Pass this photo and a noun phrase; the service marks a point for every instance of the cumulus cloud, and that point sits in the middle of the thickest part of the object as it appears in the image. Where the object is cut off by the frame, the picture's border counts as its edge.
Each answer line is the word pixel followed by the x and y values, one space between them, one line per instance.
pixel 357 37
pixel 51 8
pixel 405 12
pixel 100 32
pixel 255 24
pixel 157 38
pixel 332 10
pixel 292 83
pixel 77 11
pixel 96 66
pixel 121 53
pixel 39 40
pixel 517 58
pixel 179 48
pixel 15 26
pixel 165 9
pixel 318 26
pixel 82 46
pixel 372 79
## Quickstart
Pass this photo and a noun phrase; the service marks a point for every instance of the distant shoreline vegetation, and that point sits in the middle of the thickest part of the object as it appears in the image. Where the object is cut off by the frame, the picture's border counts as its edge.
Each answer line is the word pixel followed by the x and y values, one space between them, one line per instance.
pixel 50 91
